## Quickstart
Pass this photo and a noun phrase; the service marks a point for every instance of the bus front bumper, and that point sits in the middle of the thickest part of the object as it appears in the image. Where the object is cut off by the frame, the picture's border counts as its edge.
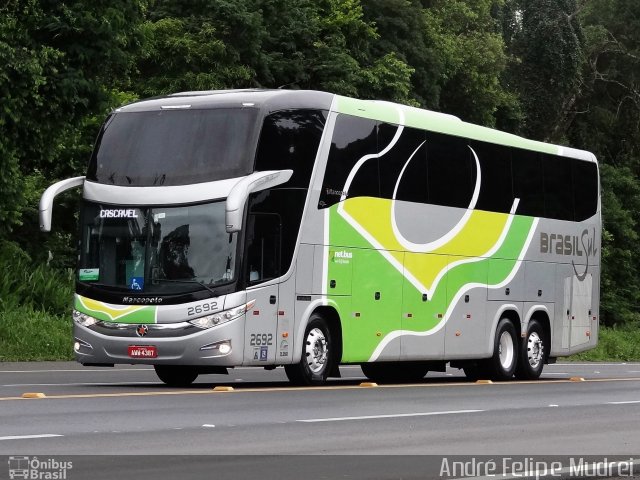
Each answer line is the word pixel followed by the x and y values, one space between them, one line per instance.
pixel 178 344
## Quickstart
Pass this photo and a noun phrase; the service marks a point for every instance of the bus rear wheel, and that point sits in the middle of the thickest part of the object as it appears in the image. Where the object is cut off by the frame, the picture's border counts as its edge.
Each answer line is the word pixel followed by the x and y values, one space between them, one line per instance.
pixel 502 365
pixel 532 352
pixel 176 375
pixel 317 355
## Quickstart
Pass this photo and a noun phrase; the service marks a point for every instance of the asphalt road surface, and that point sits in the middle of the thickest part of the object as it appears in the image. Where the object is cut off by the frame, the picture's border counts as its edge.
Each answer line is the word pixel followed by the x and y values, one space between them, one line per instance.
pixel 343 430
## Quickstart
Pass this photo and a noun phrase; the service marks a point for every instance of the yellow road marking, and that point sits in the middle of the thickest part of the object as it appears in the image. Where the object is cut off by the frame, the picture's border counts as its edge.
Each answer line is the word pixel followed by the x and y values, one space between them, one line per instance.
pixel 210 391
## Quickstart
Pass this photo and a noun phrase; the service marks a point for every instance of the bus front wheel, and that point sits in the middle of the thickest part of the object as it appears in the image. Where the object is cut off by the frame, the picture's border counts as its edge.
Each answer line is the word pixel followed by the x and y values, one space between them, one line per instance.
pixel 176 375
pixel 317 355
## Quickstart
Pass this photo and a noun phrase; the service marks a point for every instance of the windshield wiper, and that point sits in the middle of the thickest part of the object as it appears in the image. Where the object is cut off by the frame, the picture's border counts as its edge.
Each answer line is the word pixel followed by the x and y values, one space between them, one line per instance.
pixel 198 282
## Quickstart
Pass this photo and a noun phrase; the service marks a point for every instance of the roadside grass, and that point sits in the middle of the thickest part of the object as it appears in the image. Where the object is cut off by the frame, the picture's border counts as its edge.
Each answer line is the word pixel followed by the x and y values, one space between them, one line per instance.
pixel 32 335
pixel 35 308
pixel 614 345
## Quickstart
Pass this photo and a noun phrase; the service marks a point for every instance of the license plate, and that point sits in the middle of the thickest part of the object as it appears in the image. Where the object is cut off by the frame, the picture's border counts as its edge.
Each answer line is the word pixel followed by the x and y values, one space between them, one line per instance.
pixel 143 351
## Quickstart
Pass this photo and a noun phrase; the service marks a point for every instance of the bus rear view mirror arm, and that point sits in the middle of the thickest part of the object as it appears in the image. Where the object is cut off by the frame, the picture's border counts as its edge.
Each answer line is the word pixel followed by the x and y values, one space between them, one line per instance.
pixel 46 201
pixel 240 192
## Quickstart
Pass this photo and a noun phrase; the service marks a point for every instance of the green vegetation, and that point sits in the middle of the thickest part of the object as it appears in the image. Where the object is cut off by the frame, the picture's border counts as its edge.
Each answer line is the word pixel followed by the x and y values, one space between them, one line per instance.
pixel 565 71
pixel 615 344
pixel 35 307
pixel 28 334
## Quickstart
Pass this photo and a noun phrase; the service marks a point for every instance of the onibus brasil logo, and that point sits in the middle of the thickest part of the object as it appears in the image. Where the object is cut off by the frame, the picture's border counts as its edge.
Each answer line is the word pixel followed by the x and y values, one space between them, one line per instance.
pixel 38 469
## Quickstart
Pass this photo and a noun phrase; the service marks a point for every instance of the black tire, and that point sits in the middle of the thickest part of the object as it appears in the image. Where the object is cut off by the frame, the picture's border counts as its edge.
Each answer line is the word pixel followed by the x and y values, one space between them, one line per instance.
pixel 396 372
pixel 533 352
pixel 502 365
pixel 317 355
pixel 176 375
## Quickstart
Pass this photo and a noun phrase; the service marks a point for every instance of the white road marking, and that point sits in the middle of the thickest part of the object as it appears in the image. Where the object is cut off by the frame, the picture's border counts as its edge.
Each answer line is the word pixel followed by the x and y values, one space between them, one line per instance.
pixel 76 384
pixel 207 425
pixel 106 369
pixel 553 405
pixel 624 403
pixel 589 364
pixel 22 437
pixel 395 415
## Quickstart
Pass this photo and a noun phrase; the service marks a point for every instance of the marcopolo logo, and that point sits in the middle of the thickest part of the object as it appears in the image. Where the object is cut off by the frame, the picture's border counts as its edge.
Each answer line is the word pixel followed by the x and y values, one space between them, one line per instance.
pixel 35 468
pixel 119 213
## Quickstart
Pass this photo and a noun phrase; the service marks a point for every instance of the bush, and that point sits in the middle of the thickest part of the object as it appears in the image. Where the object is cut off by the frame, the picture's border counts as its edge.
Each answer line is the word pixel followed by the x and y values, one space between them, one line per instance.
pixel 31 335
pixel 36 287
pixel 614 344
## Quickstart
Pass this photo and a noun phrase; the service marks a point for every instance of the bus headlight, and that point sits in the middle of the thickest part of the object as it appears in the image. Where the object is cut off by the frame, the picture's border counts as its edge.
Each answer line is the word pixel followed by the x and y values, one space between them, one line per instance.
pixel 219 318
pixel 83 319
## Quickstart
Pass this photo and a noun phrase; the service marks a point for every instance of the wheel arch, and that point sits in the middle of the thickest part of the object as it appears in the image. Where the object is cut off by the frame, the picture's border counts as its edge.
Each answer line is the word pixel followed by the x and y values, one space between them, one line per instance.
pixel 541 314
pixel 509 311
pixel 330 312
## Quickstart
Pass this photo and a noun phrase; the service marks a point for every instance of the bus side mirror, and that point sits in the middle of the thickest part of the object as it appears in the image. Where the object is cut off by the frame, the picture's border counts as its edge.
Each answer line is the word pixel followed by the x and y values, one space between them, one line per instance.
pixel 46 201
pixel 256 182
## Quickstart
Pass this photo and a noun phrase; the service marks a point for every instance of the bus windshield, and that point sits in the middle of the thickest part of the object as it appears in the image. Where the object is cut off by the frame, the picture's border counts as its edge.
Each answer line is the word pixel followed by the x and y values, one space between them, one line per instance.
pixel 162 250
pixel 174 147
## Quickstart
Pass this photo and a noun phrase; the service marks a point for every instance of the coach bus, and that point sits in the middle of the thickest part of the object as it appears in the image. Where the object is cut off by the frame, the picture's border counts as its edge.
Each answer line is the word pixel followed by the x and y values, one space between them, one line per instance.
pixel 309 230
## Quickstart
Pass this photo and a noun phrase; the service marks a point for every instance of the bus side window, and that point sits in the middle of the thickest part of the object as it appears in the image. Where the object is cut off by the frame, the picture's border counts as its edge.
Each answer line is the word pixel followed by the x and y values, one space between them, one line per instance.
pixel 263 247
pixel 289 140
pixel 407 157
pixel 353 139
pixel 496 188
pixel 585 189
pixel 451 171
pixel 558 196
pixel 527 182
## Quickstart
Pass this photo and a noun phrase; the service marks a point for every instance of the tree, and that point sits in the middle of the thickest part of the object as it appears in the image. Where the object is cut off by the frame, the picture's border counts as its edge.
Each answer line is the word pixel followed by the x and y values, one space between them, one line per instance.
pixel 212 44
pixel 605 120
pixel 545 41
pixel 59 64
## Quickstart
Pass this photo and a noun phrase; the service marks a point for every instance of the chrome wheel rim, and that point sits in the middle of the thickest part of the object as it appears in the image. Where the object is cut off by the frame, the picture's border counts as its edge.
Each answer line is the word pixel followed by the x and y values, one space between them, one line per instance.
pixel 316 350
pixel 506 350
pixel 535 349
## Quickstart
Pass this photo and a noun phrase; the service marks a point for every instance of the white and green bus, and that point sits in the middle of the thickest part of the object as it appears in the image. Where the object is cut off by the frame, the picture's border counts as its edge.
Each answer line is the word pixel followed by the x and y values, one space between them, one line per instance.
pixel 308 230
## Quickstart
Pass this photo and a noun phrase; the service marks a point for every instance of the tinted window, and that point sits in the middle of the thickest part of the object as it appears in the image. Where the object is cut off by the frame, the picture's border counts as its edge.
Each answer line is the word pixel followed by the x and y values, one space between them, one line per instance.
pixel 277 211
pixel 527 182
pixel 451 171
pixel 353 139
pixel 442 171
pixel 174 147
pixel 289 140
pixel 585 189
pixel 558 196
pixel 413 186
pixel 496 193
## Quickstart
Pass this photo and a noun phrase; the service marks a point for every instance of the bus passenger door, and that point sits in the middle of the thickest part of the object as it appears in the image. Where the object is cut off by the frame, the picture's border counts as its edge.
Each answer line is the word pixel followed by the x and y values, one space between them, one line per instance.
pixel 262 267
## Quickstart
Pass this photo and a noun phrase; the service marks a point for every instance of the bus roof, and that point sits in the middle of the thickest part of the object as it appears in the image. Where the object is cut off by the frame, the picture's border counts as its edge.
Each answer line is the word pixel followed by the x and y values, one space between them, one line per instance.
pixel 277 99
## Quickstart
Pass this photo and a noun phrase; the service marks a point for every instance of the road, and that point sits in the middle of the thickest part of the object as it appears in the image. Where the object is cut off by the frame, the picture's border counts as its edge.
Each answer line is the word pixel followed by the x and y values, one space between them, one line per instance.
pixel 127 411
